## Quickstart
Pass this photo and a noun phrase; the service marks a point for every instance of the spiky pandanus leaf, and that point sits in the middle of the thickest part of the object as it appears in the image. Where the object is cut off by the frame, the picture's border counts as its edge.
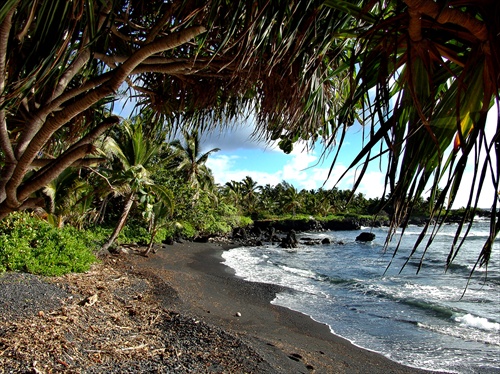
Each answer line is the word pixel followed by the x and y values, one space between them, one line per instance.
pixel 426 74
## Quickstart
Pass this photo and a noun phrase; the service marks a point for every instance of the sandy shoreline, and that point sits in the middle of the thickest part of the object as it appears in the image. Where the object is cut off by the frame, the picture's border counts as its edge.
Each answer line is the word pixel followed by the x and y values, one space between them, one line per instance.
pixel 289 341
pixel 178 311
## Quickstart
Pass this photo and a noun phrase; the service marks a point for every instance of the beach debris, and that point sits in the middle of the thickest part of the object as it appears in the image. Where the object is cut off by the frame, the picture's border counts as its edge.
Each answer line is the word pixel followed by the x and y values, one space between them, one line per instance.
pixel 89 300
pixel 365 237
pixel 238 314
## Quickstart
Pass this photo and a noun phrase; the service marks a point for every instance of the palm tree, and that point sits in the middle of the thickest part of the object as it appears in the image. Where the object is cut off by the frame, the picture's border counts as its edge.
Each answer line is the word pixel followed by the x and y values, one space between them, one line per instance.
pixel 233 192
pixel 133 154
pixel 190 162
pixel 68 196
pixel 158 215
pixel 249 196
pixel 291 200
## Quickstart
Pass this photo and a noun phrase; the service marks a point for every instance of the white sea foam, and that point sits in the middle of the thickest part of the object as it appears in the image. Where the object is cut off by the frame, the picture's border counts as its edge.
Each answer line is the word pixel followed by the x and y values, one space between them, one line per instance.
pixel 300 272
pixel 374 309
pixel 477 322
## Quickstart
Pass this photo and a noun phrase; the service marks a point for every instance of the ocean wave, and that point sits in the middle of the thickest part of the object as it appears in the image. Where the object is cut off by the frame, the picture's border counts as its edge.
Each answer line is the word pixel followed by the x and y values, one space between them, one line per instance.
pixel 300 272
pixel 482 337
pixel 481 323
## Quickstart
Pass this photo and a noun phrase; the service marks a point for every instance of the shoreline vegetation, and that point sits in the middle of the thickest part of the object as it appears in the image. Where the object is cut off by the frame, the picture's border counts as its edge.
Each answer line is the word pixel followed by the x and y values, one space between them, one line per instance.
pixel 76 178
pixel 180 310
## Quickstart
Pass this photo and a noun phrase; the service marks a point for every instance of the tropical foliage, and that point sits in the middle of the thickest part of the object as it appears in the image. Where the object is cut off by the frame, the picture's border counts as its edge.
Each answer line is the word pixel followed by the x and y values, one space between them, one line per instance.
pixel 30 244
pixel 188 160
pixel 134 152
pixel 420 75
pixel 425 74
pixel 62 64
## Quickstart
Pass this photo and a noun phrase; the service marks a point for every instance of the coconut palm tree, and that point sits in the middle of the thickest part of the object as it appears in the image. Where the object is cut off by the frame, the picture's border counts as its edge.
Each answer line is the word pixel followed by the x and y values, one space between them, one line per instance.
pixel 249 195
pixel 291 199
pixel 188 159
pixel 133 155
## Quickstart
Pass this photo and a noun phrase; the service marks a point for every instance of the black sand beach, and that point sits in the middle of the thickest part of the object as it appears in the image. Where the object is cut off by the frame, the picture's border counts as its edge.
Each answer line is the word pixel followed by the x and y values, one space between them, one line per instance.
pixel 178 311
pixel 289 341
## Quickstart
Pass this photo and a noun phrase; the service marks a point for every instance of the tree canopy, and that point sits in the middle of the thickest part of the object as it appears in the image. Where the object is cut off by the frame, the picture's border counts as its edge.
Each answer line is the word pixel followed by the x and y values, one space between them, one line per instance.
pixel 420 75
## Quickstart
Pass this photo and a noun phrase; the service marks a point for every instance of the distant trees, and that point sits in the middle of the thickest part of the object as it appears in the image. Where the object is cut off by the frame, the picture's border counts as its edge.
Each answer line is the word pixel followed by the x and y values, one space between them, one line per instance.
pixel 284 199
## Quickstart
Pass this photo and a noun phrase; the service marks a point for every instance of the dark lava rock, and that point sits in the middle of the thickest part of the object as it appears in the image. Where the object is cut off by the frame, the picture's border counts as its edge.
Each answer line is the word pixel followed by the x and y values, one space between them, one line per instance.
pixel 365 237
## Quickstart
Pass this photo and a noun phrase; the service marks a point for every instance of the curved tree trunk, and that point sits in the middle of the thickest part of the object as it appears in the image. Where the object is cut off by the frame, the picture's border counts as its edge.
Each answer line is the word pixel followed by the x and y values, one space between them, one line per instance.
pixel 151 242
pixel 121 222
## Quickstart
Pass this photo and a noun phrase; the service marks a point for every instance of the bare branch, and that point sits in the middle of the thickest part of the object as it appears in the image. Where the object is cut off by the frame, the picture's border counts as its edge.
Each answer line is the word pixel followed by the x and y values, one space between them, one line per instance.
pixel 21 35
pixel 103 177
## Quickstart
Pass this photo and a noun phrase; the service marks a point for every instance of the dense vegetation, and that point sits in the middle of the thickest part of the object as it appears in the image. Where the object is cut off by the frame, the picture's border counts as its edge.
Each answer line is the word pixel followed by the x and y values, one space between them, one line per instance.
pixel 85 206
pixel 420 75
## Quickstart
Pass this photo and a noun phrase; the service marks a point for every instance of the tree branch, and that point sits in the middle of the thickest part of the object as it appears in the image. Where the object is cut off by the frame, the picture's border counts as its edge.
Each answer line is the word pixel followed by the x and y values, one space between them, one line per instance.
pixel 5 28
pixel 43 177
pixel 163 44
pixel 96 132
pixel 86 162
pixel 5 144
pixel 39 117
pixel 117 77
pixel 447 15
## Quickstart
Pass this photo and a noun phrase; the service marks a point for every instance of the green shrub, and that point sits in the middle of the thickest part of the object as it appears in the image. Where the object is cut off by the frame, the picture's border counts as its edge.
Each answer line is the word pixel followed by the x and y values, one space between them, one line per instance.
pixel 32 245
pixel 132 233
pixel 245 221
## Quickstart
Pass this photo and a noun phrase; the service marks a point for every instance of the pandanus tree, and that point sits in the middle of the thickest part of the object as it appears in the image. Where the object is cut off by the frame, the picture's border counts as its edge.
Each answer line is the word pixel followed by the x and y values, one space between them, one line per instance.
pixel 192 61
pixel 426 74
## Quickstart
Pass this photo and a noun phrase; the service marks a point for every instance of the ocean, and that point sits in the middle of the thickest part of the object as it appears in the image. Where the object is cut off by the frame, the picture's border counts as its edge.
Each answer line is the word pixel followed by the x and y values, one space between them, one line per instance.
pixel 422 320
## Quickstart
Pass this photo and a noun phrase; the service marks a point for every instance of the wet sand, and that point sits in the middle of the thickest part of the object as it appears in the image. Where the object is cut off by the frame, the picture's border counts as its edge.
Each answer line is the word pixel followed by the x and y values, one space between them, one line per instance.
pixel 289 341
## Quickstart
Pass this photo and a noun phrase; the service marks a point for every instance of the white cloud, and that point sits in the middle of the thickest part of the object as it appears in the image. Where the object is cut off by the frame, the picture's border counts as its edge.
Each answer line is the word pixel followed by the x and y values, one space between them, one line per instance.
pixel 225 169
pixel 308 171
pixel 301 170
pixel 296 170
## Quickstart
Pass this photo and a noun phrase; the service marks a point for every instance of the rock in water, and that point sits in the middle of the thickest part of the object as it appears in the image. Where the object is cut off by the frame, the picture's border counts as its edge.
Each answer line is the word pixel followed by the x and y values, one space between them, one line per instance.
pixel 365 237
pixel 290 241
